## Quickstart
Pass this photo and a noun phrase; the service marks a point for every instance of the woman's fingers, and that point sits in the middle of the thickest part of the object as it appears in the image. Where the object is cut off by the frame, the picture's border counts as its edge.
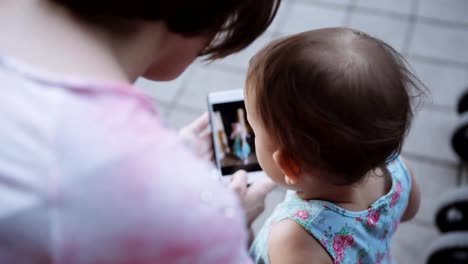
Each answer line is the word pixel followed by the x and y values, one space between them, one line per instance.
pixel 203 146
pixel 197 136
pixel 200 124
pixel 259 190
pixel 253 197
pixel 239 183
pixel 206 141
pixel 254 200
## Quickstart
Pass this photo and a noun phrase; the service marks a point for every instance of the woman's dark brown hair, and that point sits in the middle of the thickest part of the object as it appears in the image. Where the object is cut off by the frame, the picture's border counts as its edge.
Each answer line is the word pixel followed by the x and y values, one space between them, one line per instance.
pixel 234 23
pixel 335 99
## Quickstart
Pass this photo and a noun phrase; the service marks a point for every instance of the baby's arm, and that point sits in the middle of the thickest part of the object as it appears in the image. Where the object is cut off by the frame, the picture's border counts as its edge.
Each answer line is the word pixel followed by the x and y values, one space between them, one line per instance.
pixel 415 196
pixel 290 243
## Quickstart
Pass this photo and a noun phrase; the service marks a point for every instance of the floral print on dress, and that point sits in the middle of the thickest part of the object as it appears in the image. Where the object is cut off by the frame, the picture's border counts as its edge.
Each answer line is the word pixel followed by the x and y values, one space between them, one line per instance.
pixel 396 194
pixel 373 218
pixel 380 257
pixel 341 242
pixel 338 242
pixel 302 214
pixel 348 237
pixel 324 241
pixel 361 255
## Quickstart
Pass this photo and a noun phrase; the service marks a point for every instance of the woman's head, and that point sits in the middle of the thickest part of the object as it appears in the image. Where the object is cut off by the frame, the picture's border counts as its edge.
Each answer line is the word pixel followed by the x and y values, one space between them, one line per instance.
pixel 205 27
pixel 333 99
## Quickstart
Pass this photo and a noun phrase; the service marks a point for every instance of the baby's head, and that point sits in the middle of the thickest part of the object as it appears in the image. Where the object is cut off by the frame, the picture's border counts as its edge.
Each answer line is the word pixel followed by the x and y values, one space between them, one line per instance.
pixel 333 101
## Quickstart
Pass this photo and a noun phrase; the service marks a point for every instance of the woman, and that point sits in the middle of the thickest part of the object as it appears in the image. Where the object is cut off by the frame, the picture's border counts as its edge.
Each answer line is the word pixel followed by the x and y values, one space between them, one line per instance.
pixel 87 172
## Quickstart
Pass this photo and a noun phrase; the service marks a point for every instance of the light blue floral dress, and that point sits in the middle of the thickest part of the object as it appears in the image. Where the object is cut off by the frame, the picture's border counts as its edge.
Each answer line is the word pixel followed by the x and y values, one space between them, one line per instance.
pixel 349 237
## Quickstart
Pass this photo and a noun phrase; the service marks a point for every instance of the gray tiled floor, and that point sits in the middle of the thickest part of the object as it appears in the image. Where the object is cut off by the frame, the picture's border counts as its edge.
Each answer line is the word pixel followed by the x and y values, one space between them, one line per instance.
pixel 435 179
pixel 302 17
pixel 395 6
pixel 440 41
pixel 450 10
pixel 391 29
pixel 433 34
pixel 411 241
pixel 181 118
pixel 464 176
pixel 240 60
pixel 446 81
pixel 164 92
pixel 430 135
pixel 206 79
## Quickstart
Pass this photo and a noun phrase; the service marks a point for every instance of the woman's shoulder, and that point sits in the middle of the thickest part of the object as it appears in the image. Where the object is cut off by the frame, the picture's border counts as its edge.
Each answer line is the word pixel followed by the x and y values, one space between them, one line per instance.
pixel 109 159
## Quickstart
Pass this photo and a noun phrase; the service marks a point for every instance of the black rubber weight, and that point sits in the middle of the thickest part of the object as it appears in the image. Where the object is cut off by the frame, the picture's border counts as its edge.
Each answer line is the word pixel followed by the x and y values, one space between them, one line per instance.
pixel 452 211
pixel 462 105
pixel 460 137
pixel 451 248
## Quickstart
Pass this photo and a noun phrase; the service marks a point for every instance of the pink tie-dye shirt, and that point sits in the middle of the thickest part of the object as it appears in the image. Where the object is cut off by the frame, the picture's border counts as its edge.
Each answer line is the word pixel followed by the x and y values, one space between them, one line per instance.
pixel 89 175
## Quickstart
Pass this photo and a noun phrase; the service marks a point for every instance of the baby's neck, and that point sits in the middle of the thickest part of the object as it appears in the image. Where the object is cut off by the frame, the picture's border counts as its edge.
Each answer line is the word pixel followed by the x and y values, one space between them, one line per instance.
pixel 328 192
pixel 356 197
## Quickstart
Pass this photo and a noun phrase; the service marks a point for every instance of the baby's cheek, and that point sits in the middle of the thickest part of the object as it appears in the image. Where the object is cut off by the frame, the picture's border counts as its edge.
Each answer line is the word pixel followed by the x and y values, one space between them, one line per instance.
pixel 269 166
pixel 260 153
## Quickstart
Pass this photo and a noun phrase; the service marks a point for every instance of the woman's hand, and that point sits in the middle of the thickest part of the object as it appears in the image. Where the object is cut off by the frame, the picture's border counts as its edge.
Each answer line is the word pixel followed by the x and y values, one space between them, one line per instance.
pixel 197 135
pixel 252 197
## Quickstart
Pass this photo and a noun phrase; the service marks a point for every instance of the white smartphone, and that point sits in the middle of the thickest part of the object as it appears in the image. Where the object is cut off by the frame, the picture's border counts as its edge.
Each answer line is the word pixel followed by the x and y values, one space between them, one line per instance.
pixel 233 137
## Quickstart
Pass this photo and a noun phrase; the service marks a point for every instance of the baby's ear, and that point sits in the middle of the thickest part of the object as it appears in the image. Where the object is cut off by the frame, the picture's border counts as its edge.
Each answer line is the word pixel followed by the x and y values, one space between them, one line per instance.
pixel 289 167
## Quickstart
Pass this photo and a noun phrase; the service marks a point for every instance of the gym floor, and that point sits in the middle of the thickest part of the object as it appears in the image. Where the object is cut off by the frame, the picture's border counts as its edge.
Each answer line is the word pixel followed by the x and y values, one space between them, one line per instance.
pixel 431 34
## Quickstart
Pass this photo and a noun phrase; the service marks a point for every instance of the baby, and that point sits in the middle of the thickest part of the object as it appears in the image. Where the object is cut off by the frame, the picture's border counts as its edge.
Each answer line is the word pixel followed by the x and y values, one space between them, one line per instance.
pixel 330 109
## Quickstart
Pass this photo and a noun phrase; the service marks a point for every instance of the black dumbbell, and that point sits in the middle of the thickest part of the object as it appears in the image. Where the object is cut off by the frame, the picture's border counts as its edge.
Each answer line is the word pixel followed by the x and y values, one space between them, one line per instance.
pixel 462 105
pixel 451 248
pixel 452 211
pixel 452 220
pixel 460 133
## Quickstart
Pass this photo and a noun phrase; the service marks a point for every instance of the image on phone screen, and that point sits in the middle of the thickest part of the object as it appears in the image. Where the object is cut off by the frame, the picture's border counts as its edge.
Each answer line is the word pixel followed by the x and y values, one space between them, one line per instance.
pixel 234 138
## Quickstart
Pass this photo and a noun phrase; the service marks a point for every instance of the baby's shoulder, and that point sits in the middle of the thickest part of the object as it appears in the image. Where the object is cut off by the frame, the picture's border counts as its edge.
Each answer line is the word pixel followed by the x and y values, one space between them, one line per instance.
pixel 295 208
pixel 289 242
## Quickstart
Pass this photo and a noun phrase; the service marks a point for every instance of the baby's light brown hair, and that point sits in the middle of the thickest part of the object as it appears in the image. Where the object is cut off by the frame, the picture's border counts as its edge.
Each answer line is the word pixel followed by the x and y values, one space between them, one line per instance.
pixel 335 99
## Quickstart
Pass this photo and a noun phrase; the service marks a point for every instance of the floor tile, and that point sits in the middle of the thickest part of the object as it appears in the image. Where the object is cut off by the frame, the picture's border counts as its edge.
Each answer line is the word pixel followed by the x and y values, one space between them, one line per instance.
pixel 464 177
pixel 208 79
pixel 450 10
pixel 336 2
pixel 161 107
pixel 163 91
pixel 440 42
pixel 275 197
pixel 396 6
pixel 179 118
pixel 411 242
pixel 283 13
pixel 434 181
pixel 391 30
pixel 241 60
pixel 445 82
pixel 307 16
pixel 430 135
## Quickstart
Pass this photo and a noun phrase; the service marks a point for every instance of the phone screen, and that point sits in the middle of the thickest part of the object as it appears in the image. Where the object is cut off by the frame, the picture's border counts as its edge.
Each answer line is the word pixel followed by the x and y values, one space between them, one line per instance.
pixel 234 138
